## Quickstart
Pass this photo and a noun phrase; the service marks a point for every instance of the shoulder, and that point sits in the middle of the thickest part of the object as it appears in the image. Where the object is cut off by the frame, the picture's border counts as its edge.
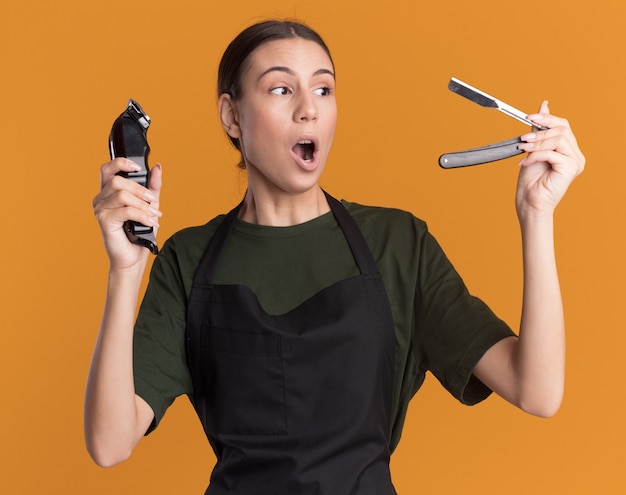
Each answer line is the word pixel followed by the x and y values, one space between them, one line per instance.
pixel 384 222
pixel 182 252
pixel 397 239
pixel 376 213
pixel 190 239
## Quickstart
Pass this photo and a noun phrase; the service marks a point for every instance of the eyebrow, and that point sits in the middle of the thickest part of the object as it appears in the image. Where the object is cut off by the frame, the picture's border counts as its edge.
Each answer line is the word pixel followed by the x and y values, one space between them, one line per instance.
pixel 289 71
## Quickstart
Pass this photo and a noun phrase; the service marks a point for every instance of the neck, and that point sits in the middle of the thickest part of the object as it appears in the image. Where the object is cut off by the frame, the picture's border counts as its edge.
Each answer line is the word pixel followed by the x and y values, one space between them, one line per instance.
pixel 283 210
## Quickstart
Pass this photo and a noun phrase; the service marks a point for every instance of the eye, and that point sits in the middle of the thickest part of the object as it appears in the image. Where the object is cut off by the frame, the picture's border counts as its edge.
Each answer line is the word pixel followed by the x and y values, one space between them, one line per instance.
pixel 281 90
pixel 323 91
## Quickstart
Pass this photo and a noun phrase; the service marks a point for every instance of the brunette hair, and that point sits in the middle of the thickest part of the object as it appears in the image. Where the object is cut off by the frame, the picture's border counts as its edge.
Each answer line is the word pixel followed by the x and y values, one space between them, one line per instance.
pixel 234 60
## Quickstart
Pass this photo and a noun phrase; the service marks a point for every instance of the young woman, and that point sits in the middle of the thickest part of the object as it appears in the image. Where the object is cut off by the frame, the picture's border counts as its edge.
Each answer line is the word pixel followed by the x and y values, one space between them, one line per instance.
pixel 301 326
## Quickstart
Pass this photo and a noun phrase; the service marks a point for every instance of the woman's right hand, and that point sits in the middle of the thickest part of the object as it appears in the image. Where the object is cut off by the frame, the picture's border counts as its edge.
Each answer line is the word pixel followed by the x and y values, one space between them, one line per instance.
pixel 122 199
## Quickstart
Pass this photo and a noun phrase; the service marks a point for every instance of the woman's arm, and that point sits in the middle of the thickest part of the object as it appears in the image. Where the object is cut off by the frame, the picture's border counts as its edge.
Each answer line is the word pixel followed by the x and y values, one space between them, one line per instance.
pixel 529 371
pixel 115 418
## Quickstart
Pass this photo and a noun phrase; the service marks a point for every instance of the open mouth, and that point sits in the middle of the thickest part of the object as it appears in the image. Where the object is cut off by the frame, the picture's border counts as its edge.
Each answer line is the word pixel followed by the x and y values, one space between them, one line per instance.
pixel 305 150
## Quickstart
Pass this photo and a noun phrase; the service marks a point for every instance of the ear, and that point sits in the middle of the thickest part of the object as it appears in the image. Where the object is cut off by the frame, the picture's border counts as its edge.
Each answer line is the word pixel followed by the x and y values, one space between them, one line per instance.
pixel 229 115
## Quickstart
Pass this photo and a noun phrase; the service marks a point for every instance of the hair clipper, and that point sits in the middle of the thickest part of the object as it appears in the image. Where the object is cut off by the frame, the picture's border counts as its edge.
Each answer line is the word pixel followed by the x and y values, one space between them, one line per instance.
pixel 128 140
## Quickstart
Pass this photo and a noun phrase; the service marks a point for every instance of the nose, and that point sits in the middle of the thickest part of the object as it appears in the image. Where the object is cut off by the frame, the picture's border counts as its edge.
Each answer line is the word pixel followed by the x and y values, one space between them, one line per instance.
pixel 306 110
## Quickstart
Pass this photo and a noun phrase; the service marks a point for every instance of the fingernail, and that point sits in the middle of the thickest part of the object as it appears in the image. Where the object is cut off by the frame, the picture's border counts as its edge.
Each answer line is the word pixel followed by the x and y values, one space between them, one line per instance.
pixel 134 166
pixel 522 162
pixel 154 212
pixel 149 197
pixel 526 146
pixel 531 136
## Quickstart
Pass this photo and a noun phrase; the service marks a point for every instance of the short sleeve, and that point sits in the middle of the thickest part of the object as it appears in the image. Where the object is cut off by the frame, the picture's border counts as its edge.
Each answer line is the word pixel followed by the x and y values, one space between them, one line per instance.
pixel 160 366
pixel 453 328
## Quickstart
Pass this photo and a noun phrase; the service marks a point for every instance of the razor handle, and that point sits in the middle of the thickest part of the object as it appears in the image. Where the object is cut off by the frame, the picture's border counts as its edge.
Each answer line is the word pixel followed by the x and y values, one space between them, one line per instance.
pixel 128 140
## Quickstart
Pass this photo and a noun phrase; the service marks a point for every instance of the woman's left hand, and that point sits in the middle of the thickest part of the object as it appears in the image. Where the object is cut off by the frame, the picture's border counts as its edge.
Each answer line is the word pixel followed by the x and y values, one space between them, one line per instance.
pixel 554 160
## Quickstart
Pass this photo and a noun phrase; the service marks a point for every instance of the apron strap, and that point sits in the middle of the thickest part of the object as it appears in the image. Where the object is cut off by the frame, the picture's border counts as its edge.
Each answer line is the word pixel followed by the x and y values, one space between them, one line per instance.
pixel 358 245
pixel 208 263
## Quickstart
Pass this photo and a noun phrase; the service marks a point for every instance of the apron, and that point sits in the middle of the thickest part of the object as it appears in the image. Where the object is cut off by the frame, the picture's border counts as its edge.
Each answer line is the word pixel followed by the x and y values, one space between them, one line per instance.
pixel 298 403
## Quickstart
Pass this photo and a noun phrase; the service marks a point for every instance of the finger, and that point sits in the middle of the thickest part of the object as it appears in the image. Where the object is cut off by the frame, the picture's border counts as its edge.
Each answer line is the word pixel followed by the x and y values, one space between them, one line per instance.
pixel 112 220
pixel 111 168
pixel 115 209
pixel 119 183
pixel 537 117
pixel 121 193
pixel 542 156
pixel 124 197
pixel 548 121
pixel 156 179
pixel 567 165
pixel 560 139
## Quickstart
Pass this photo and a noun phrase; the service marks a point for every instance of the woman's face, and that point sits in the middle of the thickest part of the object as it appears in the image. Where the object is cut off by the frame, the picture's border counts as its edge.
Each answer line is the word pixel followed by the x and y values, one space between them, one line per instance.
pixel 285 119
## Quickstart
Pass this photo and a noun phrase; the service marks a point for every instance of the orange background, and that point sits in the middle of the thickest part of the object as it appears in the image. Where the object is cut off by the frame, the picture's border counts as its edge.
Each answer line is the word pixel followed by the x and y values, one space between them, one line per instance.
pixel 68 68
